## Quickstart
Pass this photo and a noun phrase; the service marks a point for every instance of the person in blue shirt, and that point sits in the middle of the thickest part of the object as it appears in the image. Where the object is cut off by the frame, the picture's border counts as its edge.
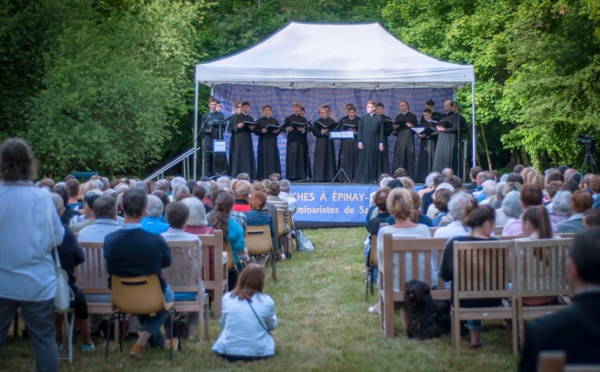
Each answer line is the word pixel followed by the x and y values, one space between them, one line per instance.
pixel 153 222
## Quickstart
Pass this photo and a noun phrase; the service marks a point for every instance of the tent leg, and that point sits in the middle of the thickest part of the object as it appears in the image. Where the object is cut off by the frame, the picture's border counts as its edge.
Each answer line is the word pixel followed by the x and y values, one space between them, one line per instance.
pixel 196 131
pixel 473 130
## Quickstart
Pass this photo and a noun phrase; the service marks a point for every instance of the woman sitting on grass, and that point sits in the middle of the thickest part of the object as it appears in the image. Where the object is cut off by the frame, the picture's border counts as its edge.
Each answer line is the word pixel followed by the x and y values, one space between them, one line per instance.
pixel 248 317
pixel 400 204
pixel 481 220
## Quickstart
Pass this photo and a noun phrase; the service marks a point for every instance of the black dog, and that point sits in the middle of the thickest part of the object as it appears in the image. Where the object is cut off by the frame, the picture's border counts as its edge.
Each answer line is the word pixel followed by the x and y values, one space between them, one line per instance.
pixel 426 318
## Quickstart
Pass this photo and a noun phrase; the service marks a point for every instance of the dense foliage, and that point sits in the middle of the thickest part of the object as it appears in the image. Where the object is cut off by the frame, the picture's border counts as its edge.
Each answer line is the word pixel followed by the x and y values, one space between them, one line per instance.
pixel 108 85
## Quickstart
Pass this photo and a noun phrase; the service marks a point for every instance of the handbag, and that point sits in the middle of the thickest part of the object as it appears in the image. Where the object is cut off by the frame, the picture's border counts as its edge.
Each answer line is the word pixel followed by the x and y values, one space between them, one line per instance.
pixel 303 243
pixel 64 294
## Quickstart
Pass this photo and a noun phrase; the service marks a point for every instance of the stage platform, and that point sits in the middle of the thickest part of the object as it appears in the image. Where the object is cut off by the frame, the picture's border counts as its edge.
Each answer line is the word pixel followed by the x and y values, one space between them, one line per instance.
pixel 332 204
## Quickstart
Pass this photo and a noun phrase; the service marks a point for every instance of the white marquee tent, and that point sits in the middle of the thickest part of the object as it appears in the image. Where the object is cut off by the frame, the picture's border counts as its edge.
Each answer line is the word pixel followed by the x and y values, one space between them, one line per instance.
pixel 303 55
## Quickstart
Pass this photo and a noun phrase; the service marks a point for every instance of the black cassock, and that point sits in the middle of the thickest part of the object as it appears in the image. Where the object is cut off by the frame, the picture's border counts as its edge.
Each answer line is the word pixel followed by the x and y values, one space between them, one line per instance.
pixel 268 152
pixel 242 160
pixel 404 152
pixel 426 152
pixel 446 155
pixel 296 157
pixel 370 134
pixel 348 149
pixel 324 159
pixel 231 129
pixel 385 155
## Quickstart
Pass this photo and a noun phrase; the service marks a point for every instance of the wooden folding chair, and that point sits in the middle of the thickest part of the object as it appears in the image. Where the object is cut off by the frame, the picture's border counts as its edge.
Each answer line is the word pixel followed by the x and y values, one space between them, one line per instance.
pixel 541 271
pixel 217 285
pixel 260 244
pixel 185 276
pixel 141 295
pixel 482 271
pixel 282 233
pixel 371 265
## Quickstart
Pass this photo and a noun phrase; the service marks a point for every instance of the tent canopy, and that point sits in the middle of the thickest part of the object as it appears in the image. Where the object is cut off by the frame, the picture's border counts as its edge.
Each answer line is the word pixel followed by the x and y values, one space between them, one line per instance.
pixel 358 56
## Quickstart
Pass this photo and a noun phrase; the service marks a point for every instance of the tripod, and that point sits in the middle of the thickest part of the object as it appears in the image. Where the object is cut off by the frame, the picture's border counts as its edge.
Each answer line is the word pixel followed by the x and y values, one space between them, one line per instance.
pixel 589 158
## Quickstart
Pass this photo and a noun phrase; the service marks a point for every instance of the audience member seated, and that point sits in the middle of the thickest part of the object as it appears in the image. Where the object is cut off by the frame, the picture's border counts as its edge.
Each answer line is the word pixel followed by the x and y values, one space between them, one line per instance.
pixel 285 195
pixel 511 208
pixel 256 216
pixel 71 255
pixel 242 196
pixel 133 251
pixel 582 201
pixel 69 213
pixel 574 329
pixel 105 210
pixel 441 198
pixel 489 189
pixel 481 220
pixel 73 186
pixel 457 207
pixel 79 222
pixel 380 200
pixel 595 189
pixel 220 219
pixel 530 195
pixel 248 317
pixel 427 197
pixel 400 205
pixel 591 218
pixel 177 216
pixel 152 222
pixel 560 206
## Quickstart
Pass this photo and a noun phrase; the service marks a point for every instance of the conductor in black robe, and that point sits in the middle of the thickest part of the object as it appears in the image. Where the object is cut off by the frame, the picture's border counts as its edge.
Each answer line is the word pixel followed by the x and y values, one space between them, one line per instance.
pixel 324 158
pixel 427 148
pixel 232 123
pixel 387 130
pixel 404 151
pixel 207 129
pixel 348 147
pixel 242 160
pixel 370 146
pixel 446 150
pixel 268 129
pixel 296 157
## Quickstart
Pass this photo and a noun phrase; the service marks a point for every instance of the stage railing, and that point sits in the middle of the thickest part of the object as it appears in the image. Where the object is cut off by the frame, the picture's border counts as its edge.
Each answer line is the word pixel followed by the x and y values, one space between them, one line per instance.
pixel 181 158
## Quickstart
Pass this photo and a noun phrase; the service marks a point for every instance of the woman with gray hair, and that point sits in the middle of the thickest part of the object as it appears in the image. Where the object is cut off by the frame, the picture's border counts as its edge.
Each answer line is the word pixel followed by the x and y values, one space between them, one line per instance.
pixel 198 225
pixel 456 206
pixel 154 210
pixel 511 208
pixel 561 206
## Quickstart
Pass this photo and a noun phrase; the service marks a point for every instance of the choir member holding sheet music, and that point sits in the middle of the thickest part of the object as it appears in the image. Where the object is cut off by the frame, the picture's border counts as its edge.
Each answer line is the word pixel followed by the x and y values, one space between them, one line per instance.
pixel 242 160
pixel 427 149
pixel 404 152
pixel 324 158
pixel 348 148
pixel 268 129
pixel 446 148
pixel 233 120
pixel 386 121
pixel 370 145
pixel 296 158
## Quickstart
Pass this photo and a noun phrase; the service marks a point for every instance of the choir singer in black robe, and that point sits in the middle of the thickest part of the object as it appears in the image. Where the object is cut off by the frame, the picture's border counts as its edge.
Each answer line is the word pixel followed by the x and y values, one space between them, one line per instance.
pixel 210 133
pixel 387 130
pixel 404 152
pixel 370 146
pixel 233 120
pixel 446 149
pixel 242 160
pixel 427 148
pixel 268 153
pixel 324 158
pixel 348 147
pixel 296 157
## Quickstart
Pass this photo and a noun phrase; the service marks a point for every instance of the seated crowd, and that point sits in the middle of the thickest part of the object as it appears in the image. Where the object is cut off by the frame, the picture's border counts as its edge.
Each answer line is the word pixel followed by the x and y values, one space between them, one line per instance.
pixel 523 204
pixel 142 216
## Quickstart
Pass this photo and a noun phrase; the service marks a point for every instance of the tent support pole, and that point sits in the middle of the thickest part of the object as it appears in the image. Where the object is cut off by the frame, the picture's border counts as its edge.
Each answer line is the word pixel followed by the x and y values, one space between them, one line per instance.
pixel 196 131
pixel 473 134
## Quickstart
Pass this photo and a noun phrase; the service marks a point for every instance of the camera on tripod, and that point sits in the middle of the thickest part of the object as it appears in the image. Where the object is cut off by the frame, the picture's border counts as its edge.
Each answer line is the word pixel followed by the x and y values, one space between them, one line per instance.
pixel 587 141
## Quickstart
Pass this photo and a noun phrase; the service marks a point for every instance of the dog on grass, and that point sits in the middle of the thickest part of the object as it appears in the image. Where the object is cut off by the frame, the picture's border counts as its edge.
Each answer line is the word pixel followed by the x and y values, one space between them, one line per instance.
pixel 425 317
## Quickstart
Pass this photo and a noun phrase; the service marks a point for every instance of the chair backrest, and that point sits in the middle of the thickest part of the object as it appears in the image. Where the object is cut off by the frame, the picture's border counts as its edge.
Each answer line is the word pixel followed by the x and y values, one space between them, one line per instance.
pixel 214 240
pixel 230 260
pixel 555 361
pixel 482 269
pixel 258 240
pixel 92 276
pixel 541 266
pixel 432 230
pixel 373 253
pixel 425 250
pixel 137 295
pixel 567 235
pixel 184 274
pixel 280 223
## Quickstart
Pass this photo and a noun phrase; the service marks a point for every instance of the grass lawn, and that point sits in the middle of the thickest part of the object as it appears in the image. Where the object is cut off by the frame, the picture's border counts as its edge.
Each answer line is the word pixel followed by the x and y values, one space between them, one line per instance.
pixel 323 325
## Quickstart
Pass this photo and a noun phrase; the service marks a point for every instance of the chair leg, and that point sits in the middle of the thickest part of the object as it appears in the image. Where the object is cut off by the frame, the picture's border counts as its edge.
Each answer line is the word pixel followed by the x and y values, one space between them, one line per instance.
pixel 367 284
pixel 456 331
pixel 110 324
pixel 121 328
pixel 205 338
pixel 274 264
pixel 172 320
